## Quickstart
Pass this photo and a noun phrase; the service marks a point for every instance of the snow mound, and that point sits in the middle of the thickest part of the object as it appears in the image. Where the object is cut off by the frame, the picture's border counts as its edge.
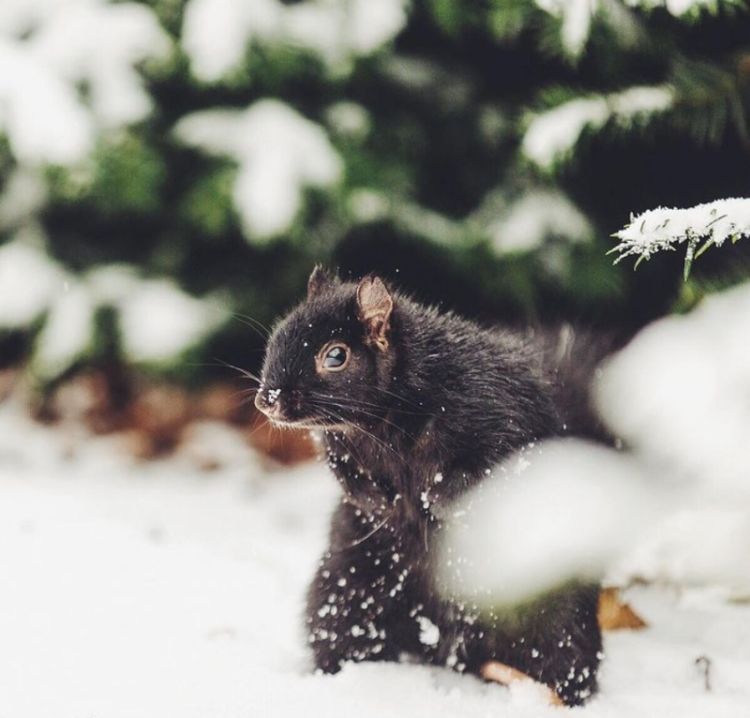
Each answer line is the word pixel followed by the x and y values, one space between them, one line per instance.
pixel 158 589
pixel 677 394
pixel 564 509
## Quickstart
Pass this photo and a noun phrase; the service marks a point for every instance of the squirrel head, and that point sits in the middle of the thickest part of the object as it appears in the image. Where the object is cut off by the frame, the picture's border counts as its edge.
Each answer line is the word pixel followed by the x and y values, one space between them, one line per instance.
pixel 328 362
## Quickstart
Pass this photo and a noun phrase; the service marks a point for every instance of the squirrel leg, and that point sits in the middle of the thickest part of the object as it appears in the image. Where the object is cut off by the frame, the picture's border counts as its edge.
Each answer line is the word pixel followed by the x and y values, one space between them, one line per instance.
pixel 357 606
pixel 507 675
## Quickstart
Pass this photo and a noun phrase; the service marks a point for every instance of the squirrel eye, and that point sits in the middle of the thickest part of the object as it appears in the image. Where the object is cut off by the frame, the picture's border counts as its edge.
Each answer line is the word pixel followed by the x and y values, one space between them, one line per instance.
pixel 335 358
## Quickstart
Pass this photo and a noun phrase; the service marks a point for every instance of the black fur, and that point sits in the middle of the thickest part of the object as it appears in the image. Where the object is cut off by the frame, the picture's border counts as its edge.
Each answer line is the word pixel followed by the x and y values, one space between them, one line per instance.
pixel 424 393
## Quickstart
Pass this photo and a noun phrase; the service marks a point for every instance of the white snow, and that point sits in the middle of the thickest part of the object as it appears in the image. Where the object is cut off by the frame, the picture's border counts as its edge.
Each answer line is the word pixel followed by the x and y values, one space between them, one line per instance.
pixel 23 193
pixel 371 25
pixel 535 217
pixel 349 119
pixel 704 543
pixel 576 17
pixel 217 33
pixel 674 508
pixel 552 135
pixel 48 49
pixel 155 589
pixel 67 331
pixel 29 279
pixel 39 114
pixel 157 320
pixel 664 228
pixel 367 205
pixel 566 508
pixel 680 8
pixel 279 153
pixel 678 393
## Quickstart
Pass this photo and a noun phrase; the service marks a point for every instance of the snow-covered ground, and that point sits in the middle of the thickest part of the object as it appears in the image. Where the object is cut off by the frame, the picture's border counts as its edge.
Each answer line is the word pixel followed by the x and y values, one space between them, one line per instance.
pixel 160 589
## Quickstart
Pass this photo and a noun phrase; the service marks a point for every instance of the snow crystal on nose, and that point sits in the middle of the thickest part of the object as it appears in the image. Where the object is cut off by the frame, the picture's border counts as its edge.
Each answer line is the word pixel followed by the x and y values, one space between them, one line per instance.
pixel 273 395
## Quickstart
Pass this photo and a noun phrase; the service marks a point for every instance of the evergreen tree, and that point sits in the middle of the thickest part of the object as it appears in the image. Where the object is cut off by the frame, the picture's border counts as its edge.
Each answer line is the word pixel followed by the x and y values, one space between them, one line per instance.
pixel 169 167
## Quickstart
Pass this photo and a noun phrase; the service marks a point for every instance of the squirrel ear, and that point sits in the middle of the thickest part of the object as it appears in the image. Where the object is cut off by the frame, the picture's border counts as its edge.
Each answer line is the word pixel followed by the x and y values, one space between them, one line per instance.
pixel 319 281
pixel 375 306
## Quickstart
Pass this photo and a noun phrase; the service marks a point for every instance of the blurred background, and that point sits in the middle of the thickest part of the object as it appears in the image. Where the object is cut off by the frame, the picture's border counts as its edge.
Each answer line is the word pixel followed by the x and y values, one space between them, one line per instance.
pixel 171 170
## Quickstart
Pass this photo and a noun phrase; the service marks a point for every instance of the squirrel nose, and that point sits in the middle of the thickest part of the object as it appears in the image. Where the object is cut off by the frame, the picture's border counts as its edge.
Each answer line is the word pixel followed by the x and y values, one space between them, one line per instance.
pixel 269 405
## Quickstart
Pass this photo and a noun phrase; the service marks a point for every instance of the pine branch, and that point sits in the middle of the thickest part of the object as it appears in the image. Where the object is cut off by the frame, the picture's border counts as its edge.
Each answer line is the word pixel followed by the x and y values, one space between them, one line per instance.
pixel 689 9
pixel 708 99
pixel 551 136
pixel 662 229
pixel 575 18
pixel 700 98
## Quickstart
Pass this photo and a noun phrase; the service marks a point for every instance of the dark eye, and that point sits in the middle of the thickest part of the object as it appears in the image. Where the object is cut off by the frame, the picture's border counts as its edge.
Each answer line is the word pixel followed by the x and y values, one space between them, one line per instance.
pixel 335 358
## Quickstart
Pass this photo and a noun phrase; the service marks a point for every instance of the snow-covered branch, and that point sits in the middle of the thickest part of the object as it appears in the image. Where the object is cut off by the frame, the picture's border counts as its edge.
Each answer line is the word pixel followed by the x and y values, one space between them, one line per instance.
pixel 157 320
pixel 685 8
pixel 216 33
pixel 75 43
pixel 707 224
pixel 279 153
pixel 552 135
pixel 575 18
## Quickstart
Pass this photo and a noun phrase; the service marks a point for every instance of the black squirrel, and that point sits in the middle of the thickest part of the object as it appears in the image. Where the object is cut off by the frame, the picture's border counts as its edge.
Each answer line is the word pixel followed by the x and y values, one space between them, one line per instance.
pixel 403 394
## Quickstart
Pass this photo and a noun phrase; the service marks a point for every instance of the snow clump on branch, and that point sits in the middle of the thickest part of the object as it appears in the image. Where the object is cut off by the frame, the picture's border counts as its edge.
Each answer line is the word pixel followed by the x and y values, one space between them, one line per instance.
pixel 661 229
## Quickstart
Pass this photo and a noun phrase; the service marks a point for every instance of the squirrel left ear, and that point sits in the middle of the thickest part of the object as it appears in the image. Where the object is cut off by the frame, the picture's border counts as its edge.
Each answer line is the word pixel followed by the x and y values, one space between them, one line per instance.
pixel 375 306
pixel 320 281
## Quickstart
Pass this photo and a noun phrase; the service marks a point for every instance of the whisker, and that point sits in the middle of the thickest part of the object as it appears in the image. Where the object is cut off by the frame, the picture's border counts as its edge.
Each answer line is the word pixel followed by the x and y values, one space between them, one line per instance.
pixel 326 409
pixel 253 323
pixel 351 402
pixel 371 533
pixel 244 372
pixel 246 400
pixel 378 417
pixel 397 396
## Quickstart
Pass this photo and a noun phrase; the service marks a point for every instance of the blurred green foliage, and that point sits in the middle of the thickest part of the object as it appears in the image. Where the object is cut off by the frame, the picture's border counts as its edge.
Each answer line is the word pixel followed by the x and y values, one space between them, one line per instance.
pixel 435 163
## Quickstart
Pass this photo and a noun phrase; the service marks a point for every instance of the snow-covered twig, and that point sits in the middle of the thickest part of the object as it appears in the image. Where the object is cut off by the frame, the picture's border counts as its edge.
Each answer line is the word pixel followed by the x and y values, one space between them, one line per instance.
pixel 707 224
